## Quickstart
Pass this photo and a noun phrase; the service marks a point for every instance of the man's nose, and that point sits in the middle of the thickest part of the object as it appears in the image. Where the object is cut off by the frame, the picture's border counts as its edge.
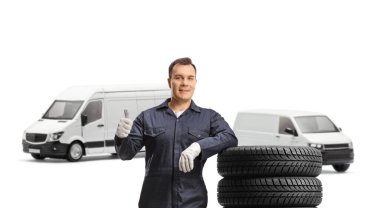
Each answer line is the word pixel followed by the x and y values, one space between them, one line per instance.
pixel 185 82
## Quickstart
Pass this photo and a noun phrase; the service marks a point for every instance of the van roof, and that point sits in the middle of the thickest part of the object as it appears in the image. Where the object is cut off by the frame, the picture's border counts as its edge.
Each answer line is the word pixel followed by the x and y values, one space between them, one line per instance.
pixel 288 113
pixel 85 92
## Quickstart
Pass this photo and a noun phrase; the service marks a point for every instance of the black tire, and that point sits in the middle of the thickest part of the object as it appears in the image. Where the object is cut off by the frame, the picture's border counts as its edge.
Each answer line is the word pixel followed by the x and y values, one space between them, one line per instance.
pixel 273 192
pixel 341 167
pixel 262 207
pixel 258 161
pixel 75 152
pixel 37 156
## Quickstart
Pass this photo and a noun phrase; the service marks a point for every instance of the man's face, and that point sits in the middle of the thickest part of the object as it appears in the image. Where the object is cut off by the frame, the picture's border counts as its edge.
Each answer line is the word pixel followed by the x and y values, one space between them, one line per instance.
pixel 182 82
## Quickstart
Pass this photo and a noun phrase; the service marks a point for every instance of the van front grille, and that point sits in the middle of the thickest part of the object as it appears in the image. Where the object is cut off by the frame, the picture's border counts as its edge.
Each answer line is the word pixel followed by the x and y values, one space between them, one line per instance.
pixel 336 146
pixel 35 137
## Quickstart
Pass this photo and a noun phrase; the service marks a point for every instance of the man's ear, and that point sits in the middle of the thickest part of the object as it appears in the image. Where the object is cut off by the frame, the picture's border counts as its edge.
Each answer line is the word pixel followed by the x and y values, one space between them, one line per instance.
pixel 170 85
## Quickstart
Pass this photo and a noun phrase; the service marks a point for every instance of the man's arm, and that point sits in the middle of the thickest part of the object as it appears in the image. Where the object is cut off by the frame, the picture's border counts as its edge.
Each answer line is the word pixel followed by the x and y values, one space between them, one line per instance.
pixel 221 138
pixel 128 147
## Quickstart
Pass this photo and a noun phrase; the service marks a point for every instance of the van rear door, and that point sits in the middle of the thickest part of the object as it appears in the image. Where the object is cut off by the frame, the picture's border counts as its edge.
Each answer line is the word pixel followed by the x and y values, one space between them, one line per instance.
pixel 256 129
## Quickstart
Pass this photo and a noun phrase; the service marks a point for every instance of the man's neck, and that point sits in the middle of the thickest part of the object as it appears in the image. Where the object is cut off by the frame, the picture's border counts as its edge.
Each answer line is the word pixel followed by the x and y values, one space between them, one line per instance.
pixel 178 106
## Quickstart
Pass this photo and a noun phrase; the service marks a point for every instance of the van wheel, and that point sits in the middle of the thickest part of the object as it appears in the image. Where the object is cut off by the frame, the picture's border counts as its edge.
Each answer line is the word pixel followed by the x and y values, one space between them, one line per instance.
pixel 75 152
pixel 258 161
pixel 270 192
pixel 341 167
pixel 38 156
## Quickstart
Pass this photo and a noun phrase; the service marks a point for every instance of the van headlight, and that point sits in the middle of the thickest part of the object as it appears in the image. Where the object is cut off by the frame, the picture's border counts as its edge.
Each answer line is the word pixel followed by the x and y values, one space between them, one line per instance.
pixel 317 146
pixel 24 136
pixel 56 136
pixel 350 145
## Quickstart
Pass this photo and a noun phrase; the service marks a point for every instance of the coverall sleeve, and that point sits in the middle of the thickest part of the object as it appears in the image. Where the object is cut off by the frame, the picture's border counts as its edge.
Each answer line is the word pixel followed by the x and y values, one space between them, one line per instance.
pixel 128 147
pixel 221 138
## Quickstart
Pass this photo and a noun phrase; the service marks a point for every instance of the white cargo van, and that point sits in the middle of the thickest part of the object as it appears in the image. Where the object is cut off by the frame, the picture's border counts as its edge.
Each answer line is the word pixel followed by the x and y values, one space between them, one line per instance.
pixel 83 120
pixel 295 128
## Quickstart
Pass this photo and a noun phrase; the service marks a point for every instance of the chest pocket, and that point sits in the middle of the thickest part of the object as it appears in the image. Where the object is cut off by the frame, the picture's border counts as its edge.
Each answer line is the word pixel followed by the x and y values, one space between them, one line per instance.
pixel 154 132
pixel 196 134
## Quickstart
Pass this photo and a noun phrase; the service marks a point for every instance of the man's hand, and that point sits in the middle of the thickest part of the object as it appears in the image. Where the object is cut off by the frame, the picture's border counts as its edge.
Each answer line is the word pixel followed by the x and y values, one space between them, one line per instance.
pixel 186 161
pixel 124 127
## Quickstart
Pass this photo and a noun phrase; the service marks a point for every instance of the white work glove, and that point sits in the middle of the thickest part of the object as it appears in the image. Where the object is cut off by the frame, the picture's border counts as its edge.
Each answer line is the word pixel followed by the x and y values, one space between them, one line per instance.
pixel 124 127
pixel 186 161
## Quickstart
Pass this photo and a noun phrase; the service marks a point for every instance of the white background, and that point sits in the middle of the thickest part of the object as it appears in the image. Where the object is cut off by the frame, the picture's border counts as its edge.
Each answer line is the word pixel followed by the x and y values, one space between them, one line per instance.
pixel 306 55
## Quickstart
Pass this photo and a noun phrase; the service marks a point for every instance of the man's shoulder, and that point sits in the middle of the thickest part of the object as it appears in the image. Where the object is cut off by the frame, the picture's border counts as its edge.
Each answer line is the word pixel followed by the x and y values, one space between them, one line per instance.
pixel 207 110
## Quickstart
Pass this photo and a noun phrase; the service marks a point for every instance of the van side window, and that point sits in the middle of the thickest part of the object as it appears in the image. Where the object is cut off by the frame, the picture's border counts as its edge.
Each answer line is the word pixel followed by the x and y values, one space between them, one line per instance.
pixel 285 123
pixel 93 111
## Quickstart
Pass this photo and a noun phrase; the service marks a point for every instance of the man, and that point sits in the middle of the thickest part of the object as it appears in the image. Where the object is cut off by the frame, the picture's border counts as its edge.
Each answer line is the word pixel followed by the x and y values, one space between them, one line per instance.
pixel 178 137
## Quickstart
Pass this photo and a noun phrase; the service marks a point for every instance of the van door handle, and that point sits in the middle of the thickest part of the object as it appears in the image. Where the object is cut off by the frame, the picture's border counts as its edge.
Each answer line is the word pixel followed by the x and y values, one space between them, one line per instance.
pixel 100 125
pixel 277 136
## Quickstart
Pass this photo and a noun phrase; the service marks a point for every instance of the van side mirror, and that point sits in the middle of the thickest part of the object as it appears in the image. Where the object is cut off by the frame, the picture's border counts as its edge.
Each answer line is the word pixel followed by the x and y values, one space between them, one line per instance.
pixel 291 131
pixel 340 129
pixel 83 119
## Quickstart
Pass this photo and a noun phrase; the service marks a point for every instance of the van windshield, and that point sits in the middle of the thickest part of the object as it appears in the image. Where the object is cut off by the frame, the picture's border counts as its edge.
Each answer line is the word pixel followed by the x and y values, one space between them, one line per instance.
pixel 315 124
pixel 63 109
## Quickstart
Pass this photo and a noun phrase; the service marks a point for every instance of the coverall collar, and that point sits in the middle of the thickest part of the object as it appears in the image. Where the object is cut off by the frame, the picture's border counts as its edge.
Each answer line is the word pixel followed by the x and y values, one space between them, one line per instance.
pixel 193 106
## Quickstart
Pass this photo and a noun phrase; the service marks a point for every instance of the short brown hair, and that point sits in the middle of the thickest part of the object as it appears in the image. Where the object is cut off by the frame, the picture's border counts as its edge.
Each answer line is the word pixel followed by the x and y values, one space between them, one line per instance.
pixel 181 61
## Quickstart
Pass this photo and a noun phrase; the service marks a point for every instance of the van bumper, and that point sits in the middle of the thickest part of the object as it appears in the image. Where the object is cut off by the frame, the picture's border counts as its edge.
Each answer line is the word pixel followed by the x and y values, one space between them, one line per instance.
pixel 337 156
pixel 48 149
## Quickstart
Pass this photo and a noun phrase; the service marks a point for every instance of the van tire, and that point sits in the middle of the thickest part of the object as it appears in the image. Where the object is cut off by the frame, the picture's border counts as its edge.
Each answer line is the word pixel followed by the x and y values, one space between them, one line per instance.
pixel 270 192
pixel 37 156
pixel 258 161
pixel 75 152
pixel 341 167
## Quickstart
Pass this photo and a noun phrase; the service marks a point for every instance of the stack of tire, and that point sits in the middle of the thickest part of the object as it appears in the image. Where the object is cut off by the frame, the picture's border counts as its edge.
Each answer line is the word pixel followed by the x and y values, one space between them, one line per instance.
pixel 269 176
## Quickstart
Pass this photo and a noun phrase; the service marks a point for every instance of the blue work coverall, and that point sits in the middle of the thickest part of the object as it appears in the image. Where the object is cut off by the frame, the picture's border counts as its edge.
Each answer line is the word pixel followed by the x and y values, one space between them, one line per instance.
pixel 165 137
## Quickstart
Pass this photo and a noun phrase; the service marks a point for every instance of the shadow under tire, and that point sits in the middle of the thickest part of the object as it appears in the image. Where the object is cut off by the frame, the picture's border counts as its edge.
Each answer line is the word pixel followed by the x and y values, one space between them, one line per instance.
pixel 258 161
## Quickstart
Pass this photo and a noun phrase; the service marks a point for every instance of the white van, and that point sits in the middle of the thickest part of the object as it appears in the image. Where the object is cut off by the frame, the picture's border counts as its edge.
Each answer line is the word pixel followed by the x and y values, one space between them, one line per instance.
pixel 295 128
pixel 83 120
